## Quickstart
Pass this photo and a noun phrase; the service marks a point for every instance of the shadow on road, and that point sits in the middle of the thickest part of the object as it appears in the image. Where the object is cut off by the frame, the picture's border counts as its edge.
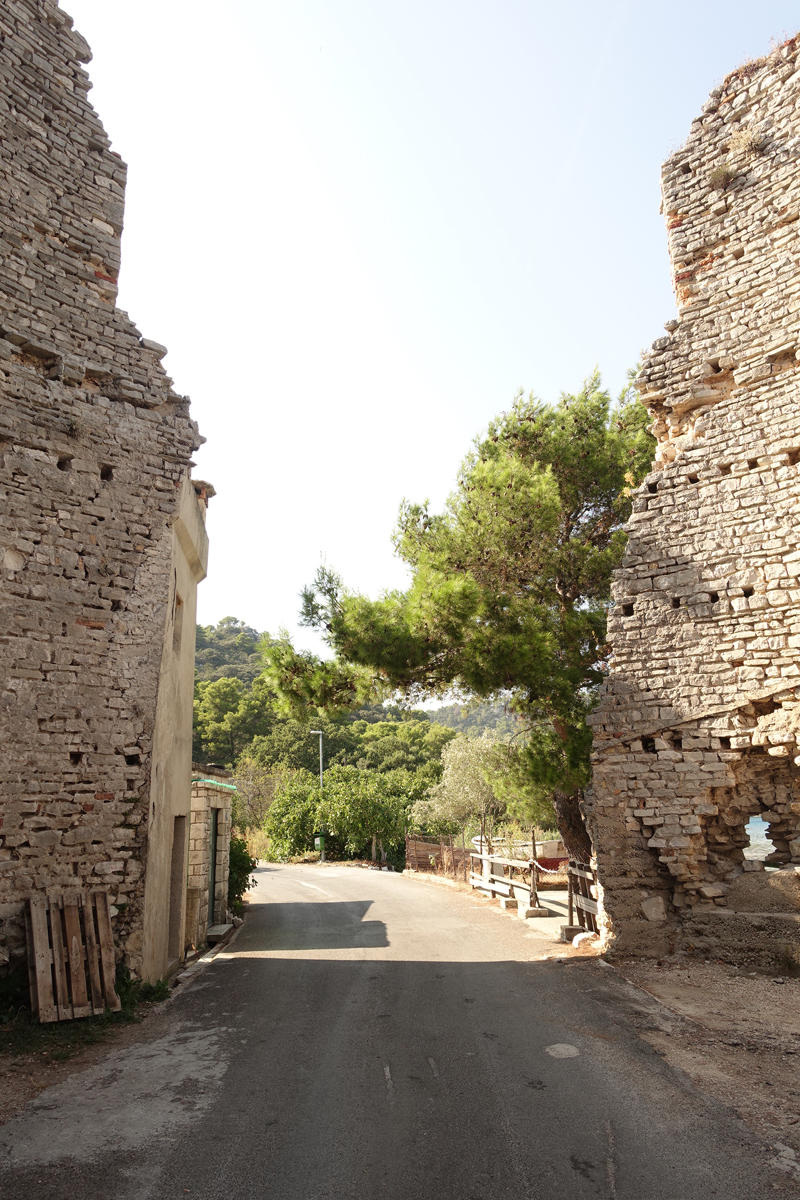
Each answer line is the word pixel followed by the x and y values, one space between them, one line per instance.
pixel 331 925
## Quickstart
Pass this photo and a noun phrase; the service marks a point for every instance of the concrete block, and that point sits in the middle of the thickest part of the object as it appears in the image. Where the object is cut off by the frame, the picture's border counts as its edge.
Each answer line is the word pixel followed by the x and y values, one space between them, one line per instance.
pixel 568 932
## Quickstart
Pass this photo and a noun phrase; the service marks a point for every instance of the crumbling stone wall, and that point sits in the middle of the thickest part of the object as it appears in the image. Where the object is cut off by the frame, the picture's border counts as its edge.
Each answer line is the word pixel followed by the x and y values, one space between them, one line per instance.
pixel 699 722
pixel 95 457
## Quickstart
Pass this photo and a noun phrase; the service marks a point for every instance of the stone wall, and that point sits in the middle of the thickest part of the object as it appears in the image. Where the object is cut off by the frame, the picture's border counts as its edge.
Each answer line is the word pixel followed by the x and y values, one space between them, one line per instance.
pixel 699 722
pixel 211 789
pixel 99 523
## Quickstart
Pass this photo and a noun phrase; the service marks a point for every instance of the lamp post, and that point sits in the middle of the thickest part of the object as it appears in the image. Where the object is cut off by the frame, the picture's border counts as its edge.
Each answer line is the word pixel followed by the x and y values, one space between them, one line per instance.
pixel 319 731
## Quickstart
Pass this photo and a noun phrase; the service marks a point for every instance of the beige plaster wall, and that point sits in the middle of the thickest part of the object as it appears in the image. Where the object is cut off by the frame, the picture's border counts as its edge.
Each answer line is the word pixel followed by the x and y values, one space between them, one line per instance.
pixel 170 781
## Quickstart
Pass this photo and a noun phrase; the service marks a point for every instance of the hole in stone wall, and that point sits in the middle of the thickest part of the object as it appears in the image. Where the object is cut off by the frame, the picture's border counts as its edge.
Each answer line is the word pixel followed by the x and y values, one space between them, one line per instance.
pixel 686 169
pixel 714 597
pixel 725 743
pixel 676 602
pixel 694 479
pixel 133 760
pixel 794 457
pixel 737 253
pixel 75 757
pixel 764 707
pixel 64 464
pixel 714 364
pixel 737 662
pixel 106 473
pixel 627 610
pixel 649 745
pixel 652 488
pixel 116 605
pixel 756 832
pixel 725 468
pixel 747 591
pixel 752 463
pixel 677 743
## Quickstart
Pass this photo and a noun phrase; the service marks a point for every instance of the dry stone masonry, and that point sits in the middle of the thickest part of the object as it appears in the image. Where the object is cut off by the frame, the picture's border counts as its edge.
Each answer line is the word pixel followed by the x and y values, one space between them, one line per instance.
pixel 699 724
pixel 102 538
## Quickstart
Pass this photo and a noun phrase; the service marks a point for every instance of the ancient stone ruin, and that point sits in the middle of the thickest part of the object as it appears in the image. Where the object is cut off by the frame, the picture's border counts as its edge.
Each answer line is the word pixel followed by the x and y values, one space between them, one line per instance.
pixel 699 723
pixel 102 538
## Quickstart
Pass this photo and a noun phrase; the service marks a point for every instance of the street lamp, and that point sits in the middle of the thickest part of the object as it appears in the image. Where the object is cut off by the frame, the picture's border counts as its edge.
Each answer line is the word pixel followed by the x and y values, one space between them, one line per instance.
pixel 322 839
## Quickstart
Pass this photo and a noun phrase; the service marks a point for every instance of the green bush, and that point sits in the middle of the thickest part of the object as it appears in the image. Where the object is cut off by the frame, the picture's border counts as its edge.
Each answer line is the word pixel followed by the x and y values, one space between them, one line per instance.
pixel 241 868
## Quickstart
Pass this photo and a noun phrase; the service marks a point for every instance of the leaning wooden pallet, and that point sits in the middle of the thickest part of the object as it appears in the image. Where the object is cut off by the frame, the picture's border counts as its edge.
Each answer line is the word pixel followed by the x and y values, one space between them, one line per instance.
pixel 71 956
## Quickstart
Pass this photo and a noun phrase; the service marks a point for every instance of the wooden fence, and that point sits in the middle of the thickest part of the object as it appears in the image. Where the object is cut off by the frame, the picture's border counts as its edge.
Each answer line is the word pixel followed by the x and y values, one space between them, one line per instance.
pixel 440 856
pixel 514 878
pixel 582 896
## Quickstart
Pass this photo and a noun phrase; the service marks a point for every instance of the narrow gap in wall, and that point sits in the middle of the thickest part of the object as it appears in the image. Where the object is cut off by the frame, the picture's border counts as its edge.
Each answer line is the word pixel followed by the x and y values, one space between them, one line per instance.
pixel 75 757
pixel 737 253
pixel 794 457
pixel 714 597
pixel 725 468
pixel 676 601
pixel 106 473
pixel 649 745
pixel 627 610
pixel 756 830
pixel 64 464
pixel 133 760
pixel 652 488
pixel 748 591
pixel 725 743
pixel 694 479
pixel 752 463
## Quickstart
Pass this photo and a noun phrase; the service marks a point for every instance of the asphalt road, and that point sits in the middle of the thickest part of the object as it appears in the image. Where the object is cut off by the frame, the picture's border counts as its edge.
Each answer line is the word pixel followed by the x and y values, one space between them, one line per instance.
pixel 369 1036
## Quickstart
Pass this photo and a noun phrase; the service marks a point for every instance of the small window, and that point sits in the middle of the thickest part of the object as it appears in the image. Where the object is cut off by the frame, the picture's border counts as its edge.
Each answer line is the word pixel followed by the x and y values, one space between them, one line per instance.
pixel 627 610
pixel 106 474
pixel 649 745
pixel 133 760
pixel 75 757
pixel 652 488
pixel 676 601
pixel 725 468
pixel 747 591
pixel 725 743
pixel 177 624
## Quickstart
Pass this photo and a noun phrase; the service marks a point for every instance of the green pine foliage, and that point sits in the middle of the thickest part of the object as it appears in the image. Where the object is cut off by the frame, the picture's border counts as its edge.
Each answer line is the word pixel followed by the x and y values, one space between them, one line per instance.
pixel 509 584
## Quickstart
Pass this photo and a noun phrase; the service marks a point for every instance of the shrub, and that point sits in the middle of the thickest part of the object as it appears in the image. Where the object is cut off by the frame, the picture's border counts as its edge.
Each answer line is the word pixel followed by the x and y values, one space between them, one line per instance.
pixel 721 176
pixel 240 870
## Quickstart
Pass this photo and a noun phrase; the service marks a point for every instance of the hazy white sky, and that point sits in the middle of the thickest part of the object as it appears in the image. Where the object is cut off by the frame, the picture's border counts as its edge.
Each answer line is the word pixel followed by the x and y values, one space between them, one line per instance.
pixel 361 225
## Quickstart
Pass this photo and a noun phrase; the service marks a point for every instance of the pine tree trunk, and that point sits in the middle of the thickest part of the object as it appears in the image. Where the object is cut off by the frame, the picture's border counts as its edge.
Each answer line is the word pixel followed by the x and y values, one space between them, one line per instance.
pixel 572 826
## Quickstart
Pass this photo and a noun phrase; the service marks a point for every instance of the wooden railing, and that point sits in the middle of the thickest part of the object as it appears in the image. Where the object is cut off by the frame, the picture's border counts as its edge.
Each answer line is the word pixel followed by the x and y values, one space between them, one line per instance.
pixel 514 878
pixel 582 898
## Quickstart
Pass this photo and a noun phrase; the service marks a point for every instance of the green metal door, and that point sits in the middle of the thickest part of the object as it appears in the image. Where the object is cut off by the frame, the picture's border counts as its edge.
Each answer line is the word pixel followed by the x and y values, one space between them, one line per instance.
pixel 212 863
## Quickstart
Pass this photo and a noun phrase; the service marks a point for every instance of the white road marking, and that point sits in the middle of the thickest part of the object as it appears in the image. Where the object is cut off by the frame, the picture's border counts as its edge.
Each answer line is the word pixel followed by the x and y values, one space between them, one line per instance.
pixel 434 1067
pixel 388 1076
pixel 562 1050
pixel 317 889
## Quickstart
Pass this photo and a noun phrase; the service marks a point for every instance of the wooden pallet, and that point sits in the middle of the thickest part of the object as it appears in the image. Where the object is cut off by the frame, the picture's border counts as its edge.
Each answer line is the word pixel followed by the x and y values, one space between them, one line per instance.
pixel 71 956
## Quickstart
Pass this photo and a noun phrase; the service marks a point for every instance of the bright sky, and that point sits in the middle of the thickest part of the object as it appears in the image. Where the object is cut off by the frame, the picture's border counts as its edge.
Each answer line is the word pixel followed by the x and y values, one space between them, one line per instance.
pixel 361 225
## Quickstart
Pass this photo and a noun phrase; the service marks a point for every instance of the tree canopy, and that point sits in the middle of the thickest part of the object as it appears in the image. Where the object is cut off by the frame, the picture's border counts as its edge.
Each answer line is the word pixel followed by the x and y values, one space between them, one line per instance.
pixel 228 650
pixel 509 585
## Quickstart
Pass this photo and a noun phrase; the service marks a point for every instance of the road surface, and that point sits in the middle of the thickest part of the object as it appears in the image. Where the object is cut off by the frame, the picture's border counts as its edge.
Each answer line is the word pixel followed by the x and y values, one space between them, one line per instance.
pixel 369 1036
